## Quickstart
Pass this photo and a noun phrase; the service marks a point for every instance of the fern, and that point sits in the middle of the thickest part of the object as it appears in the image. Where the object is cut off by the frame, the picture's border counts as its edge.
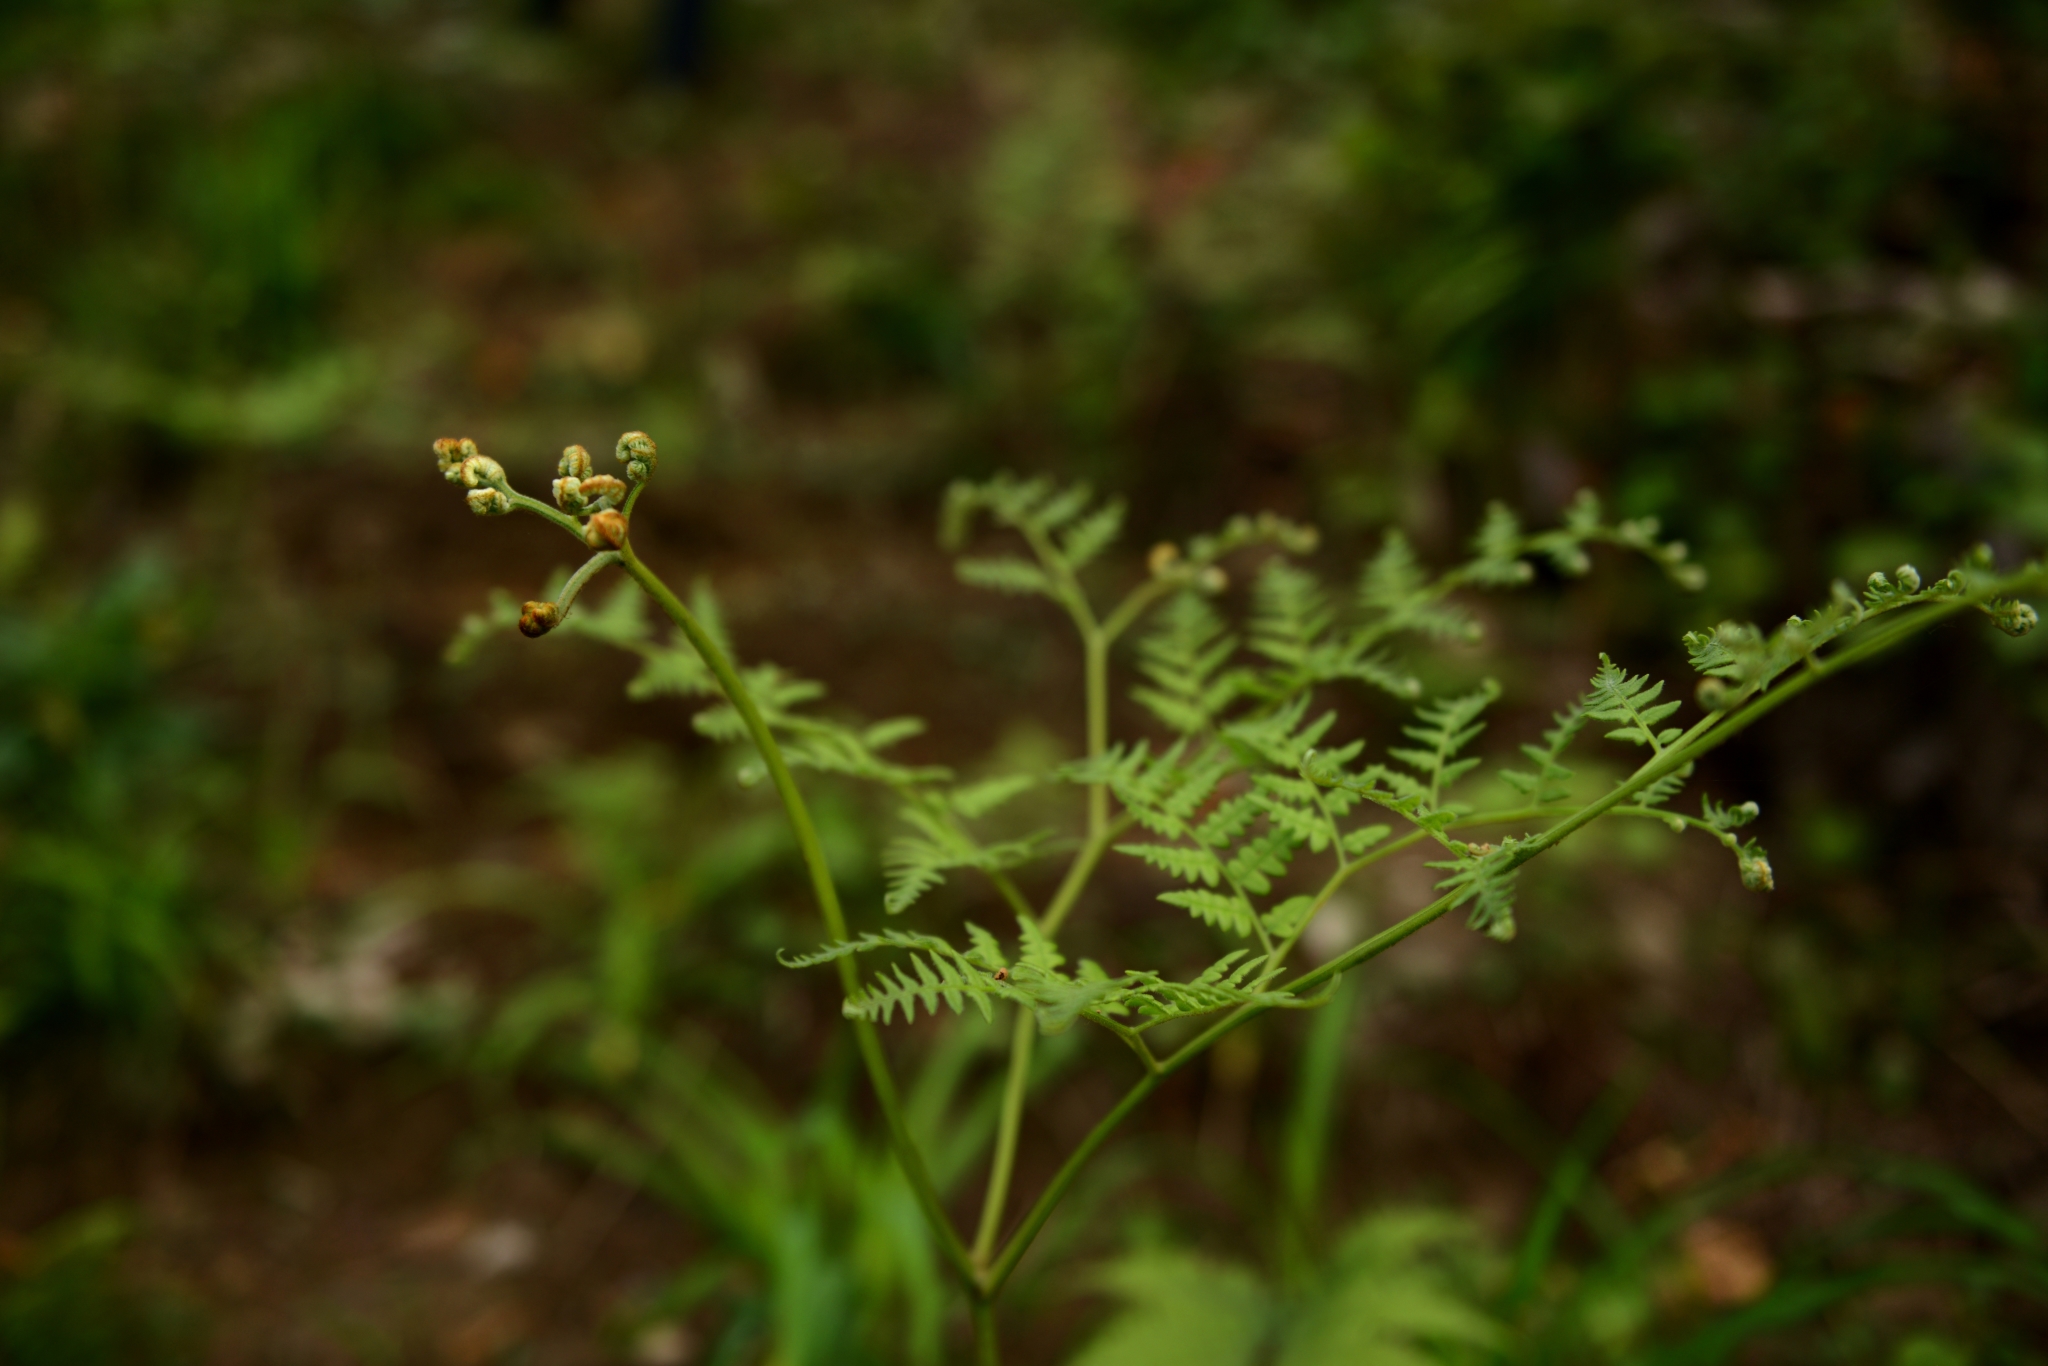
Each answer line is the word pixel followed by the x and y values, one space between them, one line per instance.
pixel 1445 727
pixel 915 864
pixel 1550 782
pixel 1291 614
pixel 1066 525
pixel 1483 875
pixel 1248 811
pixel 1086 537
pixel 1632 701
pixel 1397 595
pixel 1226 911
pixel 1739 660
pixel 1399 1290
pixel 1005 574
pixel 1185 657
pixel 1665 788
pixel 977 799
pixel 1498 548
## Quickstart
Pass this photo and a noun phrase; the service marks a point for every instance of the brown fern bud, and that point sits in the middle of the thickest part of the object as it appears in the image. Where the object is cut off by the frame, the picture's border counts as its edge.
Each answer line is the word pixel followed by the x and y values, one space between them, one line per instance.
pixel 449 453
pixel 605 530
pixel 538 618
pixel 575 463
pixel 605 486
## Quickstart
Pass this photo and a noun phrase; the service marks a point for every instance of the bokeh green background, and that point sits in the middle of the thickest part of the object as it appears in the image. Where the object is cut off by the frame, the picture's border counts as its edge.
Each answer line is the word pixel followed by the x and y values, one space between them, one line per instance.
pixel 319 958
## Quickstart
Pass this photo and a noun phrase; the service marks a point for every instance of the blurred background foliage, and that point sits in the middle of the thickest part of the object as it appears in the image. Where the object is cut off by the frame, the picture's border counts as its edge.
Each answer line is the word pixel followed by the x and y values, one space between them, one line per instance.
pixel 349 1000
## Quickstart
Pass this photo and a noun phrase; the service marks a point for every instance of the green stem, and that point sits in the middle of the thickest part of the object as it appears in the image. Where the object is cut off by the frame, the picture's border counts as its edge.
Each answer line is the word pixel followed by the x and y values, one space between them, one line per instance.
pixel 1095 661
pixel 566 599
pixel 1133 606
pixel 1022 1037
pixel 1056 1189
pixel 539 509
pixel 1078 872
pixel 986 1350
pixel 827 894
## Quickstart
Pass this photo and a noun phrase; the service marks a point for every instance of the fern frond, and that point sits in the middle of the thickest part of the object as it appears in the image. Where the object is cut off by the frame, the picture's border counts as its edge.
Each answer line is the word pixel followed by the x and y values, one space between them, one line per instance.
pixel 1159 1000
pixel 1726 818
pixel 1740 659
pixel 1004 574
pixel 1177 1307
pixel 1484 876
pixel 1445 727
pixel 986 953
pixel 1303 823
pixel 620 618
pixel 1665 788
pixel 1227 822
pixel 1066 527
pixel 1632 701
pixel 1035 950
pixel 937 973
pixel 1177 860
pixel 1225 911
pixel 1291 613
pixel 1549 783
pixel 1364 837
pixel 931 980
pixel 1497 550
pixel 499 616
pixel 1089 536
pixel 914 864
pixel 1184 655
pixel 1397 595
pixel 1258 861
pixel 974 800
pixel 1285 920
pixel 873 942
pixel 1280 736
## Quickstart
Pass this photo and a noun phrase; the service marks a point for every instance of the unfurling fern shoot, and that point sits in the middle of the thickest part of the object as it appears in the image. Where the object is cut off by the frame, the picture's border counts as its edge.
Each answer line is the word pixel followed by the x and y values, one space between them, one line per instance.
pixel 1242 796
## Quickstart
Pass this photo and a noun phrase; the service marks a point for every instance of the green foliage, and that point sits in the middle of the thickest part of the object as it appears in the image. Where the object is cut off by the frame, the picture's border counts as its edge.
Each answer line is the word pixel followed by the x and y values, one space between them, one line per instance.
pixel 65 1302
pixel 108 795
pixel 1399 1290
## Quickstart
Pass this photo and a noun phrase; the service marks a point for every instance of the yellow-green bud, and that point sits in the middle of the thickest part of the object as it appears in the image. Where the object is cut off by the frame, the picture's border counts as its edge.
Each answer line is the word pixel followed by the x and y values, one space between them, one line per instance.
pixel 2013 617
pixel 479 471
pixel 489 503
pixel 1909 578
pixel 1162 559
pixel 569 495
pixel 1756 872
pixel 636 452
pixel 575 463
